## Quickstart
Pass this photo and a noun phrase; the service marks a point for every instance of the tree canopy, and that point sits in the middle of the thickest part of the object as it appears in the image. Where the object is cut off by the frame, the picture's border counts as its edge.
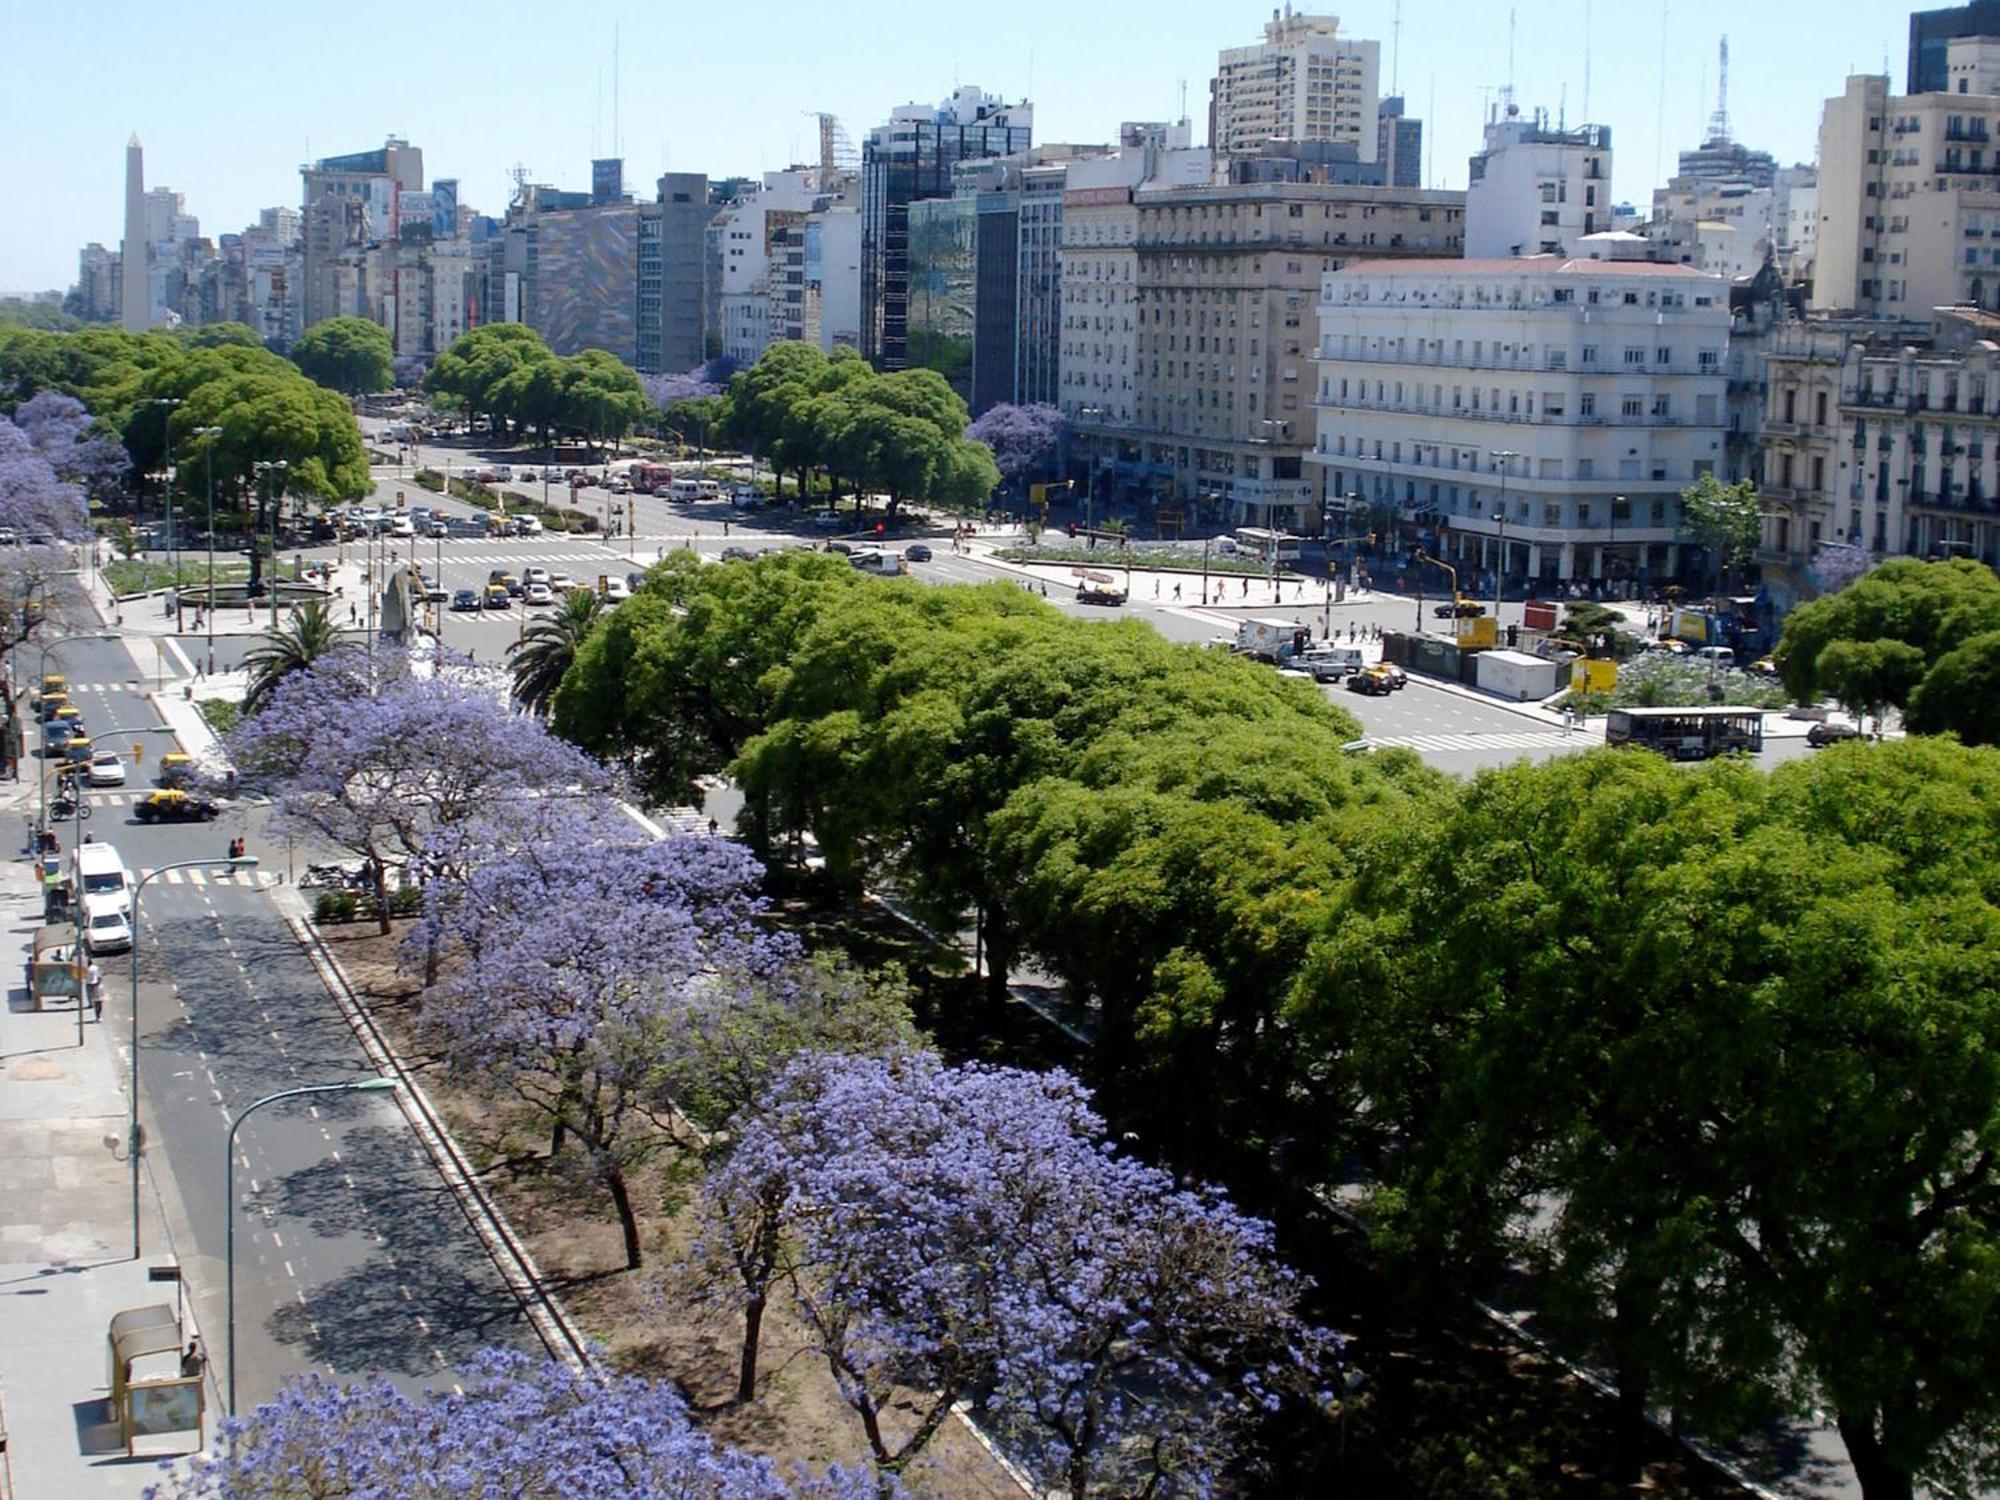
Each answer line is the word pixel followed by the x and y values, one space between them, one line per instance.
pixel 505 372
pixel 349 355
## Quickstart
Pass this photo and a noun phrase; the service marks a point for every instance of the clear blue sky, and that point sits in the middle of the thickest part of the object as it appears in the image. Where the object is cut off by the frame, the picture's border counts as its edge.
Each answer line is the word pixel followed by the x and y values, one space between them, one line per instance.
pixel 229 97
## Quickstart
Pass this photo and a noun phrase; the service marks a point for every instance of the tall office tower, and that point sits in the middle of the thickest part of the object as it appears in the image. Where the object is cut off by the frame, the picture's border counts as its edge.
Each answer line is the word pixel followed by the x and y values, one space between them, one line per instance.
pixel 1303 82
pixel 909 160
pixel 137 309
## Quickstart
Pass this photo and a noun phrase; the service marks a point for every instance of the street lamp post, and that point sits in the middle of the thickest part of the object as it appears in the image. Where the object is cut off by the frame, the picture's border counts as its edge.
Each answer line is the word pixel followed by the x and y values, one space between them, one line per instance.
pixel 208 457
pixel 277 466
pixel 354 1086
pixel 239 862
pixel 1611 562
pixel 1504 456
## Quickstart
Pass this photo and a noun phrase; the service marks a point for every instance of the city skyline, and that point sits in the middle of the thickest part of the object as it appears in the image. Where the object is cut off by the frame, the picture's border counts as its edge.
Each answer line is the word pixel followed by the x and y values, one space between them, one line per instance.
pixel 479 103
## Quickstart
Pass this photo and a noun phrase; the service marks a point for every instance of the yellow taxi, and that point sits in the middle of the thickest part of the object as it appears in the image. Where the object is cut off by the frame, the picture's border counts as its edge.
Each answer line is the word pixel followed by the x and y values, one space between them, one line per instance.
pixel 54 685
pixel 496 596
pixel 176 768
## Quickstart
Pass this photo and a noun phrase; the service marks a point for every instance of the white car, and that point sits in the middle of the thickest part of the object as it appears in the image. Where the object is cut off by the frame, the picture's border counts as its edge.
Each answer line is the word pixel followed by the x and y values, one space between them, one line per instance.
pixel 106 929
pixel 616 591
pixel 106 769
pixel 400 526
pixel 534 575
pixel 537 593
pixel 561 583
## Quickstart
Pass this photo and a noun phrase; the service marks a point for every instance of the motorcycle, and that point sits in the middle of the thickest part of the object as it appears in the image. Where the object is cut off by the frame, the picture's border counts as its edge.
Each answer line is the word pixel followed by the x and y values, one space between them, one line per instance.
pixel 66 805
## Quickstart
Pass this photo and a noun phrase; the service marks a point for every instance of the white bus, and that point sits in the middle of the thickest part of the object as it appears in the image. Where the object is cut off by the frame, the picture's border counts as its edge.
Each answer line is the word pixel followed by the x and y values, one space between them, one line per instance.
pixel 1266 545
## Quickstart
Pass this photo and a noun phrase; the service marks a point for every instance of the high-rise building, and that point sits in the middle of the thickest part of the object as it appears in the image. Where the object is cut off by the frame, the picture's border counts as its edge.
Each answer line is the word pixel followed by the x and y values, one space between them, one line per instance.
pixel 136 302
pixel 909 160
pixel 1399 145
pixel 1228 280
pixel 1931 35
pixel 349 203
pixel 99 284
pixel 1906 193
pixel 1536 189
pixel 1533 416
pixel 1099 375
pixel 1303 82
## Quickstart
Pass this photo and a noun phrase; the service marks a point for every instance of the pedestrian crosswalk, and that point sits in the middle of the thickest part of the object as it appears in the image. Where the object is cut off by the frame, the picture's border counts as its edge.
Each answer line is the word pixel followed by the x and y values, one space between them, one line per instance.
pixel 1526 739
pixel 245 879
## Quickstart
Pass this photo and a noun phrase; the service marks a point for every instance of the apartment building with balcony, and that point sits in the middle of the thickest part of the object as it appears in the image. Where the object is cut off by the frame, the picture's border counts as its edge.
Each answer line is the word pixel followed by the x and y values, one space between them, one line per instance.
pixel 1883 436
pixel 1909 193
pixel 1534 415
pixel 1229 276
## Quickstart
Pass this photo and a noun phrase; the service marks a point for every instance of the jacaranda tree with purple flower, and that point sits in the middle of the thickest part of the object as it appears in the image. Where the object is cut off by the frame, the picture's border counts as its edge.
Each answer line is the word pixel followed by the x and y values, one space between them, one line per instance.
pixel 1024 439
pixel 520 1427
pixel 378 760
pixel 576 954
pixel 965 1232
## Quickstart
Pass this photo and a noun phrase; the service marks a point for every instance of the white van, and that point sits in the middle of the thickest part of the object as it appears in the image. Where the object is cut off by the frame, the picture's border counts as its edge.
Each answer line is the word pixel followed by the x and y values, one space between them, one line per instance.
pixel 686 489
pixel 870 560
pixel 1716 656
pixel 97 873
pixel 503 473
pixel 708 489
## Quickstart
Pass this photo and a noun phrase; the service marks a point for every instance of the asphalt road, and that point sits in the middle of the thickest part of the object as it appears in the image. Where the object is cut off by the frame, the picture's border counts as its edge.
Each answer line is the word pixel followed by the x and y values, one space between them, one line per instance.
pixel 351 1253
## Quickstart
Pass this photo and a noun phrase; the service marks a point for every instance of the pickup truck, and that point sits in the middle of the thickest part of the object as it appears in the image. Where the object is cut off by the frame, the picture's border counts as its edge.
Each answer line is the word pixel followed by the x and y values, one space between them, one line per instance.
pixel 1328 663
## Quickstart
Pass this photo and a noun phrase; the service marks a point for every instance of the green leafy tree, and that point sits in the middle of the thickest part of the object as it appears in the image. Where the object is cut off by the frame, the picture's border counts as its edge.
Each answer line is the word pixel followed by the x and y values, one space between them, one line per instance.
pixel 544 653
pixel 479 360
pixel 1868 676
pixel 1934 607
pixel 1725 519
pixel 349 355
pixel 1960 694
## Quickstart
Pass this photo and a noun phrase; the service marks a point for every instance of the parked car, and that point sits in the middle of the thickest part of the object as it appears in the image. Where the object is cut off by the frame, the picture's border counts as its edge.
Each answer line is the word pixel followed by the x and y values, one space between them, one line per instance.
pixel 106 769
pixel 916 552
pixel 464 599
pixel 1831 732
pixel 176 806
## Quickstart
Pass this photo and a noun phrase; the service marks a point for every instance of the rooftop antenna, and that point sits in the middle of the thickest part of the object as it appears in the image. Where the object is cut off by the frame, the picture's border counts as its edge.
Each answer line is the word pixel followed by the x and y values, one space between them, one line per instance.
pixel 1396 51
pixel 1718 123
pixel 1509 91
pixel 1660 109
pixel 1586 62
pixel 1701 99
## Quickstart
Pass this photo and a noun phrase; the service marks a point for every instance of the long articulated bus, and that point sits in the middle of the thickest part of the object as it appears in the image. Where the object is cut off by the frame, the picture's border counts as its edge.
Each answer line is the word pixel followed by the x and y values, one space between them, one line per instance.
pixel 1687 733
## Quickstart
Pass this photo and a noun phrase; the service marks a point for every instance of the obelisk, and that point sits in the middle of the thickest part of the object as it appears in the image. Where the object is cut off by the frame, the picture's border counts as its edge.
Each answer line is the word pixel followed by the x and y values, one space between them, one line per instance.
pixel 135 256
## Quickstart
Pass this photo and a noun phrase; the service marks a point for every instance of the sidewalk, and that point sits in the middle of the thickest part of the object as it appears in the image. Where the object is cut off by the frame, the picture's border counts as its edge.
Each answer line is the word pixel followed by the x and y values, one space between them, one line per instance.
pixel 66 1229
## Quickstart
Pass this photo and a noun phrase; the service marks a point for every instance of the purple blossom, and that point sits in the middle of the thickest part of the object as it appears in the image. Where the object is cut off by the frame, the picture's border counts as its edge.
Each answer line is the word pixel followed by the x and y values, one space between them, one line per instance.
pixel 382 762
pixel 34 497
pixel 668 391
pixel 966 1232
pixel 520 1427
pixel 1838 564
pixel 578 944
pixel 1024 439
pixel 60 427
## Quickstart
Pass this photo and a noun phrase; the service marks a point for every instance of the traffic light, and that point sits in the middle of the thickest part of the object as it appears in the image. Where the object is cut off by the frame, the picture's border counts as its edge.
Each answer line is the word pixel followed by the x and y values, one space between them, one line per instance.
pixel 138 751
pixel 880 527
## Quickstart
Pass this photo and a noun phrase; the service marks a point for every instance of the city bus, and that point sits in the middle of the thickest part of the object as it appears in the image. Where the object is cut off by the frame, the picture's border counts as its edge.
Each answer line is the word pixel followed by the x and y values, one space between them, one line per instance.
pixel 1687 733
pixel 1263 544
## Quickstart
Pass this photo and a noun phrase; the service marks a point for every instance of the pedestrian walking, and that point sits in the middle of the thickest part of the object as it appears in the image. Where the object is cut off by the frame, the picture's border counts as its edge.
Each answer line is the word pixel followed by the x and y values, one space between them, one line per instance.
pixel 1246 588
pixel 93 984
pixel 1177 593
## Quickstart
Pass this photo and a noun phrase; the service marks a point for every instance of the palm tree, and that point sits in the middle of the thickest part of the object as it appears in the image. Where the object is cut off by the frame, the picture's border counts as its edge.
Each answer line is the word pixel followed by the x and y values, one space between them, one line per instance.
pixel 543 654
pixel 303 639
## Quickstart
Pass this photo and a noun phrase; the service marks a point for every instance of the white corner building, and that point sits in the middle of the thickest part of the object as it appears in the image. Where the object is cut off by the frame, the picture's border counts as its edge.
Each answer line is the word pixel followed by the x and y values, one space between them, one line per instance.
pixel 1535 414
pixel 1537 189
pixel 1303 82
